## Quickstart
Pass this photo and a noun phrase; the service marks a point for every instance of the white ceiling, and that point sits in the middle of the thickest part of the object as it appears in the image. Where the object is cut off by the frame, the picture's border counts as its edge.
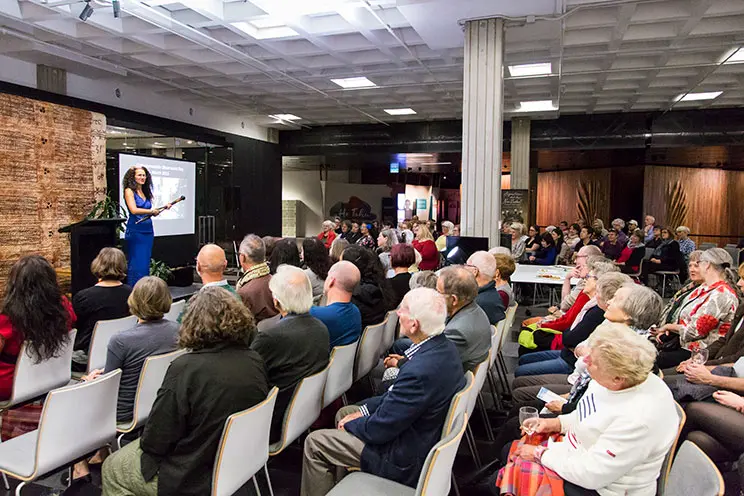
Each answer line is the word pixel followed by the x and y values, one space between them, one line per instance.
pixel 608 56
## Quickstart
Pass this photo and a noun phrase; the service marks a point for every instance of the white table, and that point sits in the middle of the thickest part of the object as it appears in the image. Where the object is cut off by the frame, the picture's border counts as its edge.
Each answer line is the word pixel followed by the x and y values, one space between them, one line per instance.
pixel 552 275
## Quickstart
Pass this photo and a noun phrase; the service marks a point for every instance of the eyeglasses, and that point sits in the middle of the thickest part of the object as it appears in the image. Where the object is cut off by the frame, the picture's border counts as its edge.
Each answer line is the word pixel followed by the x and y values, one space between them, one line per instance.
pixel 589 276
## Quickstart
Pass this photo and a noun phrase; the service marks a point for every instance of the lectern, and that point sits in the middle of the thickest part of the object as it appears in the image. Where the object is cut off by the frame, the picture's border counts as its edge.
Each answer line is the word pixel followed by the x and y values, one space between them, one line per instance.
pixel 87 237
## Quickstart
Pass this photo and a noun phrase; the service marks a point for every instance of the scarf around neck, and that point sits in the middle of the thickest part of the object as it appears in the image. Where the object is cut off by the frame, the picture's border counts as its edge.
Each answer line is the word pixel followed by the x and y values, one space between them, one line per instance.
pixel 254 272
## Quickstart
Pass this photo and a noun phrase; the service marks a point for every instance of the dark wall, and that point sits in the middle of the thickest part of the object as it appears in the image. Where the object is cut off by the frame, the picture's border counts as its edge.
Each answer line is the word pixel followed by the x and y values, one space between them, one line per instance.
pixel 257 169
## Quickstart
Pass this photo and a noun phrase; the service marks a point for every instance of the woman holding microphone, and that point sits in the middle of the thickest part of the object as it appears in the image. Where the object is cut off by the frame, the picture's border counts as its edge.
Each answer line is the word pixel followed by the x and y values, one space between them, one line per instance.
pixel 137 185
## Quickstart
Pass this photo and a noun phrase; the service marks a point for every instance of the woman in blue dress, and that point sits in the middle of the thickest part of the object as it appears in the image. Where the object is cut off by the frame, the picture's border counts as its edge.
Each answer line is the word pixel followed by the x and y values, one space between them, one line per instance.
pixel 137 186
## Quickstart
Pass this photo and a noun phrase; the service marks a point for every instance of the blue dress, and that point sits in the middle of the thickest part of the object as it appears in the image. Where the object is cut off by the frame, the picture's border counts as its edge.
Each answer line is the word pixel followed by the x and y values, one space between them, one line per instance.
pixel 139 243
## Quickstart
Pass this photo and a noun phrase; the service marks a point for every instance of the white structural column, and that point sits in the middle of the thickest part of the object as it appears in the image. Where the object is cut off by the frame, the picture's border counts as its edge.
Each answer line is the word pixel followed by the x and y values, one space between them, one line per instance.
pixel 482 129
pixel 520 153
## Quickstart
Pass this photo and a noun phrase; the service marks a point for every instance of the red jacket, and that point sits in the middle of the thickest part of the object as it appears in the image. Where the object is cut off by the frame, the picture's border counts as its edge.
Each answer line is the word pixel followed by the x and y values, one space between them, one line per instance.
pixel 429 254
pixel 329 240
pixel 564 322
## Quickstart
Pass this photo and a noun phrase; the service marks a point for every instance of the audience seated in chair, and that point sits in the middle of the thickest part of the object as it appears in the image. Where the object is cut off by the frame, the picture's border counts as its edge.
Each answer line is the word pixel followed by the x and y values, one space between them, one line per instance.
pixel 371 295
pixel 285 252
pixel 298 345
pixel 633 253
pixel 546 253
pixel 655 240
pixel 467 324
pixel 483 266
pixel 35 311
pixel 705 315
pixel 616 440
pixel 340 316
pixel 391 435
pixel 423 279
pixel 106 300
pixel 505 267
pixel 210 265
pixel 220 376
pixel 317 262
pixel 253 285
pixel 402 257
pixel 612 248
pixel 127 350
pixel 666 256
pixel 570 292
pixel 686 245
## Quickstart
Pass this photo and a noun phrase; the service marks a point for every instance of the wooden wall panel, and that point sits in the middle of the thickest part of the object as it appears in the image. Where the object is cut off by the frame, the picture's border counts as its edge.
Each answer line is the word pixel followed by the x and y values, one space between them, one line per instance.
pixel 557 194
pixel 713 199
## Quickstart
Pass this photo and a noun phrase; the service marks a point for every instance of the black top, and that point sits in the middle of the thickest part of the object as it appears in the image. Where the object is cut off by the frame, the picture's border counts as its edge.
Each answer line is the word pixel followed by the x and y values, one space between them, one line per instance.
pixel 98 303
pixel 200 390
pixel 296 347
pixel 573 337
pixel 400 285
pixel 371 302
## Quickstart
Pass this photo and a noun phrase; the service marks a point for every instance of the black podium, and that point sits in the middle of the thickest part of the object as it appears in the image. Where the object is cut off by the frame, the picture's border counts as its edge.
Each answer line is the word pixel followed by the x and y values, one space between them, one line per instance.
pixel 86 240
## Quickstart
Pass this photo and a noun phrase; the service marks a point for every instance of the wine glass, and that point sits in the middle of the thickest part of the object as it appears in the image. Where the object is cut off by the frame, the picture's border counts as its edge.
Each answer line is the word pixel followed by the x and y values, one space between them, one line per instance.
pixel 525 414
pixel 700 356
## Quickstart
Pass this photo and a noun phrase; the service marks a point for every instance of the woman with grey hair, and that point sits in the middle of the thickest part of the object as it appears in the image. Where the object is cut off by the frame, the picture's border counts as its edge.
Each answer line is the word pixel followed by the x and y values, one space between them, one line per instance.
pixel 705 315
pixel 601 290
pixel 423 279
pixel 447 228
pixel 519 241
pixel 636 306
pixel 385 242
pixel 327 233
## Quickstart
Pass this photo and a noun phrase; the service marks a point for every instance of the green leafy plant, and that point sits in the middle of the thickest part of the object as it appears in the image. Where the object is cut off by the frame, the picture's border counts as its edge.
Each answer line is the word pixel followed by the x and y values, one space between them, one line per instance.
pixel 108 208
pixel 160 269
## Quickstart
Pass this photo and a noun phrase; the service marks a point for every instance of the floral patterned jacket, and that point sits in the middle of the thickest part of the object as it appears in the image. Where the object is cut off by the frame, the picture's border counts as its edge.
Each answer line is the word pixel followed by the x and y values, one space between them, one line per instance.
pixel 707 315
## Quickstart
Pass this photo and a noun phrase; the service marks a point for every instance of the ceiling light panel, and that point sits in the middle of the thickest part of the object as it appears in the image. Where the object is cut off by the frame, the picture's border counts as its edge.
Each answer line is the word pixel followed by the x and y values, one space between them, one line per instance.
pixel 354 83
pixel 400 111
pixel 536 106
pixel 737 57
pixel 265 33
pixel 285 117
pixel 694 97
pixel 531 70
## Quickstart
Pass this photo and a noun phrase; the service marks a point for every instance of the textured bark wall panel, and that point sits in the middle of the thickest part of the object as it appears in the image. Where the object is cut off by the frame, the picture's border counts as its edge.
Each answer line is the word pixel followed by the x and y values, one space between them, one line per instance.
pixel 52 170
pixel 557 194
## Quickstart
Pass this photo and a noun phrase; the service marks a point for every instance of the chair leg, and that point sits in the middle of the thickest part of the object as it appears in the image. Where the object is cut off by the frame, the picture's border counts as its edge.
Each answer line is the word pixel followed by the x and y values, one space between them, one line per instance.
pixel 6 484
pixel 473 447
pixel 69 475
pixel 486 420
pixel 18 489
pixel 454 485
pixel 344 400
pixel 494 391
pixel 268 479
pixel 255 484
pixel 506 379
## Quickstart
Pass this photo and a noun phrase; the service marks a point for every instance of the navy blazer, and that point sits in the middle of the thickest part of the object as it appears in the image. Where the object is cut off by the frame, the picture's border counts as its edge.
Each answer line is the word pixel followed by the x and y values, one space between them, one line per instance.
pixel 406 422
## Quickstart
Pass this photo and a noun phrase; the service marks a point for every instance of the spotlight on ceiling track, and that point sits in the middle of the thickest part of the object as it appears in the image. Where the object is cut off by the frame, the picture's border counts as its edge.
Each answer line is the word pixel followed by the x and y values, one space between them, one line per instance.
pixel 87 11
pixel 117 8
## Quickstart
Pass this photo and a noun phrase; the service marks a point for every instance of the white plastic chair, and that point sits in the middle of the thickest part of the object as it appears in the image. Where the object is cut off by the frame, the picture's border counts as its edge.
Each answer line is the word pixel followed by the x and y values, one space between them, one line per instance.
pixel 511 314
pixel 175 310
pixel 75 421
pixel 458 404
pixel 102 334
pixel 303 410
pixel 479 378
pixel 151 378
pixel 388 335
pixel 340 372
pixel 244 448
pixel 435 478
pixel 368 353
pixel 694 473
pixel 666 467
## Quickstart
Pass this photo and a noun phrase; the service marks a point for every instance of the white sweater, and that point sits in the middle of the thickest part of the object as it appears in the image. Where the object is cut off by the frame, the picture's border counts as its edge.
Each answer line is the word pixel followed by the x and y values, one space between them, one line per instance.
pixel 615 441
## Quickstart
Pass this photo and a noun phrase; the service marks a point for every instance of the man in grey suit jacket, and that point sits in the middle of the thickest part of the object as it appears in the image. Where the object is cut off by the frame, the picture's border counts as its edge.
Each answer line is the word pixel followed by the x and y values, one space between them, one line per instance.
pixel 467 325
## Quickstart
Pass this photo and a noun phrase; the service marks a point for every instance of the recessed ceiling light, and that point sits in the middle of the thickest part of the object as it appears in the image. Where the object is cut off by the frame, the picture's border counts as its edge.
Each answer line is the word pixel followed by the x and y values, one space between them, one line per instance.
pixel 190 142
pixel 354 82
pixel 285 117
pixel 265 33
pixel 694 97
pixel 536 106
pixel 267 22
pixel 734 56
pixel 400 111
pixel 531 70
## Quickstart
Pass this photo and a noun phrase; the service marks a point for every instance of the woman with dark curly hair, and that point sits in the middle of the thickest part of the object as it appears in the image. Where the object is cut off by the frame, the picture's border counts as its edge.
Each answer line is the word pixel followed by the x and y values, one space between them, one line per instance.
pixel 371 295
pixel 285 252
pixel 317 263
pixel 137 186
pixel 220 376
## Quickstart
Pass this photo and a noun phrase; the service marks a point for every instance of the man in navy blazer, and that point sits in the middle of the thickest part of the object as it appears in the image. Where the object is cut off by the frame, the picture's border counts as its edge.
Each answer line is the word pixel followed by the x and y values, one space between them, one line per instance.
pixel 391 435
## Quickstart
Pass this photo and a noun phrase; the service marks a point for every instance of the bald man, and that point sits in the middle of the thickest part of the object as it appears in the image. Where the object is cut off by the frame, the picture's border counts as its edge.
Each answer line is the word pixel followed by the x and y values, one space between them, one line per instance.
pixel 210 265
pixel 340 315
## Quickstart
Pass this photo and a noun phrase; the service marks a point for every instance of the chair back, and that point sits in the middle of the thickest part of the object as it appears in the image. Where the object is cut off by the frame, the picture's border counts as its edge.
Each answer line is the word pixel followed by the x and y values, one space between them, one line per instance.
pixel 666 467
pixel 479 378
pixel 340 372
pixel 244 446
pixel 693 473
pixel 31 380
pixel 76 420
pixel 303 410
pixel 459 404
pixel 707 246
pixel 175 310
pixel 102 334
pixel 436 475
pixel 388 335
pixel 369 347
pixel 151 378
pixel 511 314
pixel 496 331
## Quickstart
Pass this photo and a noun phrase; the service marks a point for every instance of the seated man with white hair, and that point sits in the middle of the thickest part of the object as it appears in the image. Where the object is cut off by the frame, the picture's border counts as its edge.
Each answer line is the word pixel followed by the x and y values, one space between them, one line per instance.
pixel 390 435
pixel 298 345
pixel 484 266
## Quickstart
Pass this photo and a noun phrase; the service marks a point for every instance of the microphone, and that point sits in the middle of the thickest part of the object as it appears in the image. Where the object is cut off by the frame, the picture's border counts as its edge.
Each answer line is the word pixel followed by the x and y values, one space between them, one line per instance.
pixel 160 209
